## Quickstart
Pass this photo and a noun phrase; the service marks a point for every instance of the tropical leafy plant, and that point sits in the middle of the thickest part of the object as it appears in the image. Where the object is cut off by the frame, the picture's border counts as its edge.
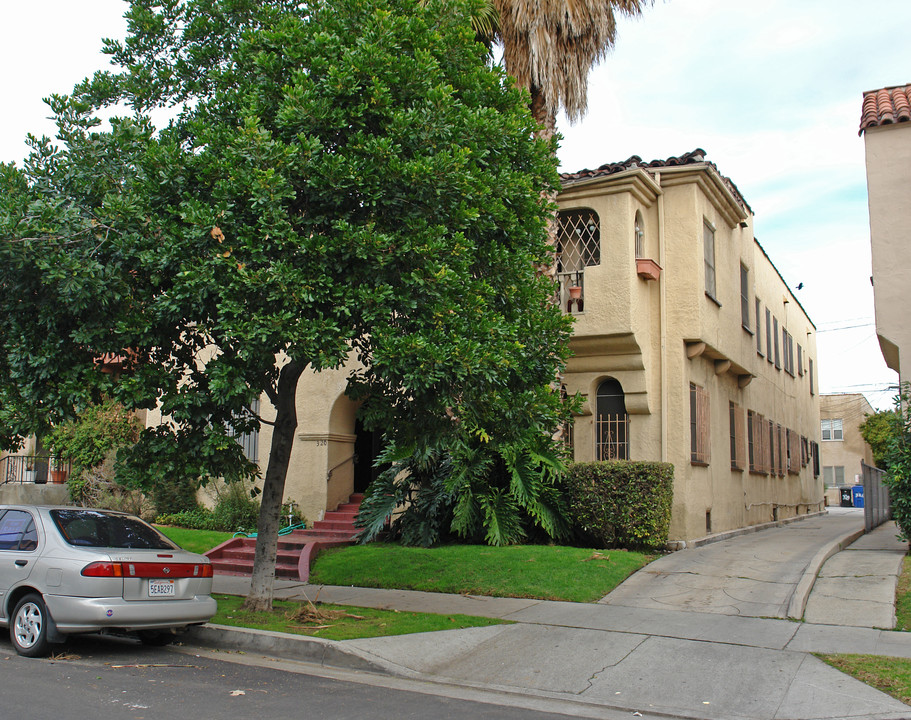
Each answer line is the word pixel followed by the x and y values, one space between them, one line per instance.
pixel 475 491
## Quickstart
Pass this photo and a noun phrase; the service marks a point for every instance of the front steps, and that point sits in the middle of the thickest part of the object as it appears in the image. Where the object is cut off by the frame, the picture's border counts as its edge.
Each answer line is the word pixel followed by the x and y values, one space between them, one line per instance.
pixel 296 550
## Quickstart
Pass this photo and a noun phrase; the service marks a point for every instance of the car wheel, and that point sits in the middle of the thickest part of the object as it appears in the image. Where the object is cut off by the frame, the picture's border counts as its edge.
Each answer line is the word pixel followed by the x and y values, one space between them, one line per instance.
pixel 28 629
pixel 156 638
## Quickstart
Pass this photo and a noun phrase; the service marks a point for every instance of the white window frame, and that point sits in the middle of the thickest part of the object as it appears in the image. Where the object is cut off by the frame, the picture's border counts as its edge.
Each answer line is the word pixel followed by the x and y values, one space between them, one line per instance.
pixel 832 429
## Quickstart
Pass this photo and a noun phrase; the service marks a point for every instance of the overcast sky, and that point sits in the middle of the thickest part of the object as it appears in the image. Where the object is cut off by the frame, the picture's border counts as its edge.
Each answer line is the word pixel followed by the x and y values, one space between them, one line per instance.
pixel 771 90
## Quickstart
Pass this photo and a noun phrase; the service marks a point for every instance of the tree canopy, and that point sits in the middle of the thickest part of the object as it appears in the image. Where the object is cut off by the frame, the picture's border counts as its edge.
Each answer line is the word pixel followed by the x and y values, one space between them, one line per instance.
pixel 878 431
pixel 334 180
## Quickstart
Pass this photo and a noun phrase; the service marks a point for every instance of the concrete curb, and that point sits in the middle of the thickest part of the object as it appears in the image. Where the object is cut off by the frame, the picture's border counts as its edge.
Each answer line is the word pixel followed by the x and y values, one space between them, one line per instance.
pixel 718 537
pixel 798 603
pixel 329 653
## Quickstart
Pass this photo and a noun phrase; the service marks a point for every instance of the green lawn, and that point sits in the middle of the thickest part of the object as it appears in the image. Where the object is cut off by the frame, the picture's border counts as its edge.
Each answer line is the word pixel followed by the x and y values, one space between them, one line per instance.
pixel 336 622
pixel 198 541
pixel 547 572
pixel 890 674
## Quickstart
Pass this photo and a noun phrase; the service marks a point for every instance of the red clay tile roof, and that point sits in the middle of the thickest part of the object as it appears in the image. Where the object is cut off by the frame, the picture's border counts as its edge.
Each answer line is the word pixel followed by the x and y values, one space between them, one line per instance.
pixel 885 107
pixel 695 157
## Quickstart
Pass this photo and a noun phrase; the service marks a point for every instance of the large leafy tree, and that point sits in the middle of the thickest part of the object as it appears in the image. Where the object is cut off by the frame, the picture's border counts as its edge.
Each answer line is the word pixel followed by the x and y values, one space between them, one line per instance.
pixel 339 180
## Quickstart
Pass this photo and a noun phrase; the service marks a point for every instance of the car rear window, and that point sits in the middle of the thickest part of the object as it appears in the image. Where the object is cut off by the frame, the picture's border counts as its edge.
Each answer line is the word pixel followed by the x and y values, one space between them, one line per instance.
pixel 93 528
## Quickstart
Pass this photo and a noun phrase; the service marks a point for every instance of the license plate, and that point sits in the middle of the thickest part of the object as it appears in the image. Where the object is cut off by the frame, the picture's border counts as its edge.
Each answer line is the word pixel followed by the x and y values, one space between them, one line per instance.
pixel 161 588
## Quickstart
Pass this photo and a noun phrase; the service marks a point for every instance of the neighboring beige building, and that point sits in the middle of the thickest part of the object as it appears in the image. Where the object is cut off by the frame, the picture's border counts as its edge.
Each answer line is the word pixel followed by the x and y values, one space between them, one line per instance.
pixel 886 127
pixel 689 347
pixel 843 447
pixel 688 344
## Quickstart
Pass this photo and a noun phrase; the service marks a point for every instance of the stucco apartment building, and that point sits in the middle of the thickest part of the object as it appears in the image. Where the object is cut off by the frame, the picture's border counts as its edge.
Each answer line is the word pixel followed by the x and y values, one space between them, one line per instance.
pixel 886 128
pixel 689 348
pixel 843 447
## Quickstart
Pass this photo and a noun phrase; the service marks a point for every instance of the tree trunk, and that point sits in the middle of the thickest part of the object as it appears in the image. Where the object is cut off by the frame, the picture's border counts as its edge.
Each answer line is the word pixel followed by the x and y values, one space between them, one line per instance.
pixel 546 120
pixel 547 128
pixel 263 581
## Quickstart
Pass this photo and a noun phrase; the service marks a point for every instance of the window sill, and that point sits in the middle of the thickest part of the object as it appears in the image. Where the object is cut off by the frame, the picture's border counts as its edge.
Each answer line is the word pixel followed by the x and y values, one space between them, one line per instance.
pixel 699 463
pixel 748 329
pixel 712 298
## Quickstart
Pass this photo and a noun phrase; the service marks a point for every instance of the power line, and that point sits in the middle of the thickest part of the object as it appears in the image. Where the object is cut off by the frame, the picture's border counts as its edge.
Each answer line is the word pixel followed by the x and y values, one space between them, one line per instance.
pixel 844 327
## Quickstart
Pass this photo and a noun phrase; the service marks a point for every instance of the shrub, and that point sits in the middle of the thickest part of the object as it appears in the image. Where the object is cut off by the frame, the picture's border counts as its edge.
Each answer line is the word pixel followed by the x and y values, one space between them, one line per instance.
pixel 235 510
pixel 197 519
pixel 898 461
pixel 90 444
pixel 95 488
pixel 621 503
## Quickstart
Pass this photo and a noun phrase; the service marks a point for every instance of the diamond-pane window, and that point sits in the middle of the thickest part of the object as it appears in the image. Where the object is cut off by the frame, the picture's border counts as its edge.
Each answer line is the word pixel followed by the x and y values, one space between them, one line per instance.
pixel 579 240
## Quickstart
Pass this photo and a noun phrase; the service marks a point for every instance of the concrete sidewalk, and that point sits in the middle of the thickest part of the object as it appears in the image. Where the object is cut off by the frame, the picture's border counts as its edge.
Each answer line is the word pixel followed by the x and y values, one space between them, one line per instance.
pixel 654 646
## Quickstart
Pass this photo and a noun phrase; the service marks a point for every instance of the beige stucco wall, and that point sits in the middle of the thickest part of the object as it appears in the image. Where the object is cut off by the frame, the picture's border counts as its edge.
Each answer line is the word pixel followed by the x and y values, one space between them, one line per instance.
pixel 656 338
pixel 324 441
pixel 888 160
pixel 851 409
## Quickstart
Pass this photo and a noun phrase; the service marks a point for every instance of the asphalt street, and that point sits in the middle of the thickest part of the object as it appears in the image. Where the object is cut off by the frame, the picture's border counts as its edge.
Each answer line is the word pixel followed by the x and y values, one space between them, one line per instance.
pixel 104 679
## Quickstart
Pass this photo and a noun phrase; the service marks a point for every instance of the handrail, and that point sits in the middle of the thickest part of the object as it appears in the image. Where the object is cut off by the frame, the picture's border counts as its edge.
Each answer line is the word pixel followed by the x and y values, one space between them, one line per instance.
pixel 336 467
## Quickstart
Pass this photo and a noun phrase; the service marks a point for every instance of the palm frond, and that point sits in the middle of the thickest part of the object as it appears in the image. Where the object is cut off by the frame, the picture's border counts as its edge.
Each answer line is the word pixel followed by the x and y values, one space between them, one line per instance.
pixel 551 45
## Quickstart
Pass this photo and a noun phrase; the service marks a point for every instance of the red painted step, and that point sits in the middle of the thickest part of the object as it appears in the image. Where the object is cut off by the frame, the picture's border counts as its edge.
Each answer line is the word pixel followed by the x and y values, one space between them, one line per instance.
pixel 296 550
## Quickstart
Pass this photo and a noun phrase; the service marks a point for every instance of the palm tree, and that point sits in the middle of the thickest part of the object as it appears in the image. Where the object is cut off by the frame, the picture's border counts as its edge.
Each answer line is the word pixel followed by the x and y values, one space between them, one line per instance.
pixel 549 47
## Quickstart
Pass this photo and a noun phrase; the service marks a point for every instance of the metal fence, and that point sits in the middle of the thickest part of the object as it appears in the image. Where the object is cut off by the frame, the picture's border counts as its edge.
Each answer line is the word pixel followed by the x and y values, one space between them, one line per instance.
pixel 38 469
pixel 877 507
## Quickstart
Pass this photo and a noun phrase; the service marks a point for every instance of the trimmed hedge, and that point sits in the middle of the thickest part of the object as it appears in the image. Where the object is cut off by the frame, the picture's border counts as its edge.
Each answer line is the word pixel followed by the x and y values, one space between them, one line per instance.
pixel 621 503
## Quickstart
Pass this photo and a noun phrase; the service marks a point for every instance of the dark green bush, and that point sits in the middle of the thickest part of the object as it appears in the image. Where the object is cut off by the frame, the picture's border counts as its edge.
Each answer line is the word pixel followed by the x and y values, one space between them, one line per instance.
pixel 197 519
pixel 621 503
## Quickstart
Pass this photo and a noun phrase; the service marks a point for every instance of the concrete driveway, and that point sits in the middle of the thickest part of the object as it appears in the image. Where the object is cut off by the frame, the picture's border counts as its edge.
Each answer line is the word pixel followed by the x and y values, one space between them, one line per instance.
pixel 756 574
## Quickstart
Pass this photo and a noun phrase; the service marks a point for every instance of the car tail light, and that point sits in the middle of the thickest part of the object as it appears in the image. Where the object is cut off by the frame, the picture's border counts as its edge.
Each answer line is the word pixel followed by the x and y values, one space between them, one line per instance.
pixel 103 569
pixel 148 570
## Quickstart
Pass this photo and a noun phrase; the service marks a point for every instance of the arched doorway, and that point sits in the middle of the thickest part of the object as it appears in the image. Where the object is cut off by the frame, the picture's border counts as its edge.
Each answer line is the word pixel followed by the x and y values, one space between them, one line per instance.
pixel 612 422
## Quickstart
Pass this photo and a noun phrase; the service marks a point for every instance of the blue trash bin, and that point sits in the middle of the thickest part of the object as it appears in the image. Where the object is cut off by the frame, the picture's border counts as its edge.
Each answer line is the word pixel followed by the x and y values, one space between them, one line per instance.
pixel 857 493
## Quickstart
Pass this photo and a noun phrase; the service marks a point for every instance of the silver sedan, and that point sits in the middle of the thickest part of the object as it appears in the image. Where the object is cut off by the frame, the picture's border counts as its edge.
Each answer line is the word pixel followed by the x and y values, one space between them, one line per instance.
pixel 67 570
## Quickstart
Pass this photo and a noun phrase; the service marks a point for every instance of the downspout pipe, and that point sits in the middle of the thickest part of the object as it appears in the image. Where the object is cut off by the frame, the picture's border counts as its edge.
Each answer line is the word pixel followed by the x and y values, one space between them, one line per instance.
pixel 662 321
